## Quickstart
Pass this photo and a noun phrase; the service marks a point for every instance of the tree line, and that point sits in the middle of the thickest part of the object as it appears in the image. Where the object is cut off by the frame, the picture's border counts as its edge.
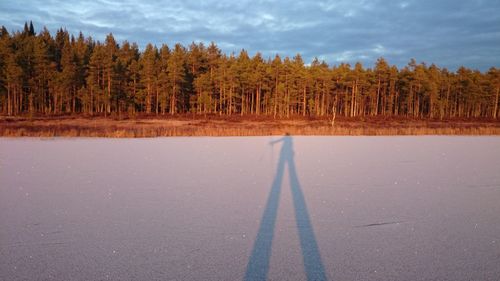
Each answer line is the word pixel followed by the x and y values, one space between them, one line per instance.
pixel 45 75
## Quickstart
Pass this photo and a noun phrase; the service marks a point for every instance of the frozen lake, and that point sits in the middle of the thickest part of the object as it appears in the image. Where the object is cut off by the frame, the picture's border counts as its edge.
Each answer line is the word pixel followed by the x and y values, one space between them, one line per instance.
pixel 317 208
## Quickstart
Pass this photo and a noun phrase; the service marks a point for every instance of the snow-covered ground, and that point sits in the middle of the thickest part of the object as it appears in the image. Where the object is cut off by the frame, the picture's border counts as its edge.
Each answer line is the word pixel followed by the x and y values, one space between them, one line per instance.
pixel 336 208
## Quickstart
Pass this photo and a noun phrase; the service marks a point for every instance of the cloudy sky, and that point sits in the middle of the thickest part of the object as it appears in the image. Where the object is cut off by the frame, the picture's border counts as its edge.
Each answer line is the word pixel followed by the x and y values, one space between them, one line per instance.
pixel 449 33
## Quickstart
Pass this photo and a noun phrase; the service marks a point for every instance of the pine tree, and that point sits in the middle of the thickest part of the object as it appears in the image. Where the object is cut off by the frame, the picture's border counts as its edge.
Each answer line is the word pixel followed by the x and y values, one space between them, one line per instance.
pixel 95 80
pixel 275 68
pixel 494 86
pixel 177 76
pixel 110 50
pixel 164 85
pixel 45 74
pixel 258 79
pixel 148 74
pixel 382 76
pixel 5 101
pixel 44 69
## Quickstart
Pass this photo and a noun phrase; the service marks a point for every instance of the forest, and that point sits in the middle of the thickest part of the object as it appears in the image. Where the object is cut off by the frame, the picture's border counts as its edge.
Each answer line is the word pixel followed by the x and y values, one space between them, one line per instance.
pixel 45 75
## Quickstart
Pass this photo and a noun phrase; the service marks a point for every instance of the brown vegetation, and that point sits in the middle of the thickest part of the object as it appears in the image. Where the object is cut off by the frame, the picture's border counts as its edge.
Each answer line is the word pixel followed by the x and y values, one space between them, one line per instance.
pixel 216 125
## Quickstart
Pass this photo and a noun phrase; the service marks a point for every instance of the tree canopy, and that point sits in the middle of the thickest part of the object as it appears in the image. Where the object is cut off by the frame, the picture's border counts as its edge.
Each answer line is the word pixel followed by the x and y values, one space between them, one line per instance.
pixel 49 75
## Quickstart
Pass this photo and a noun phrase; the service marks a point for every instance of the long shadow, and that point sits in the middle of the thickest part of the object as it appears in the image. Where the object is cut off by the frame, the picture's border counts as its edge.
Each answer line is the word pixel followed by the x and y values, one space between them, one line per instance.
pixel 258 265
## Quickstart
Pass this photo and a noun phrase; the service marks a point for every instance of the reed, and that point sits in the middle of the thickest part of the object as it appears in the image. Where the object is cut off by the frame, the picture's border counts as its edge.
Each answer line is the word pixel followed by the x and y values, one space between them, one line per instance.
pixel 237 126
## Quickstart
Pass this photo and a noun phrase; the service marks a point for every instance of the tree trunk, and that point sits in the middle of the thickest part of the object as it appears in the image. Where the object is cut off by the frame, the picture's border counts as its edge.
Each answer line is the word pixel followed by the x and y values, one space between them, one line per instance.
pixel 353 97
pixel 148 99
pixel 275 97
pixel 108 104
pixel 304 101
pixel 231 98
pixel 172 100
pixel 378 98
pixel 157 100
pixel 9 100
pixel 257 101
pixel 495 112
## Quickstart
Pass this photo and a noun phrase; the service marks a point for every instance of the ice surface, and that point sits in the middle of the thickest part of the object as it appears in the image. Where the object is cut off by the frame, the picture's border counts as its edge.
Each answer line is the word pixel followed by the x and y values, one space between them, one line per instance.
pixel 336 208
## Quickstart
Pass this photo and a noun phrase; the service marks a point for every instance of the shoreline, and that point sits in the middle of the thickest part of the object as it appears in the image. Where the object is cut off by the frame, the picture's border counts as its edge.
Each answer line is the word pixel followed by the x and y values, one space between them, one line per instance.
pixel 247 125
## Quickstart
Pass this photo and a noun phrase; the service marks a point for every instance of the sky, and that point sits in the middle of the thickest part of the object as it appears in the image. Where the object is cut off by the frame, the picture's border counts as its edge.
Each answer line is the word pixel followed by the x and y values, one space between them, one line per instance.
pixel 449 33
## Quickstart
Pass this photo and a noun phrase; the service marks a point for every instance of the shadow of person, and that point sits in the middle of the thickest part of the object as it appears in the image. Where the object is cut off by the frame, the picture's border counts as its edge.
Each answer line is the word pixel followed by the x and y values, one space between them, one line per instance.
pixel 258 264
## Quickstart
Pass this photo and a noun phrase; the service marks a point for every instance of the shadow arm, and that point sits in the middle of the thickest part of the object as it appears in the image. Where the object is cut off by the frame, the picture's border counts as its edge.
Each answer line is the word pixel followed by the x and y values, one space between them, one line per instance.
pixel 276 141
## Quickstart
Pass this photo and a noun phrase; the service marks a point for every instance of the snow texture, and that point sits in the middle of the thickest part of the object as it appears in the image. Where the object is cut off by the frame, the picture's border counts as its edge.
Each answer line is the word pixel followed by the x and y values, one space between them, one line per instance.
pixel 250 208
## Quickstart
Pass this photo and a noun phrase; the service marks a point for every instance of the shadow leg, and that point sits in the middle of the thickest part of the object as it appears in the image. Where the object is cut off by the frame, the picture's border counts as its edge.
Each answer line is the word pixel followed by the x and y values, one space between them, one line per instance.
pixel 312 259
pixel 258 265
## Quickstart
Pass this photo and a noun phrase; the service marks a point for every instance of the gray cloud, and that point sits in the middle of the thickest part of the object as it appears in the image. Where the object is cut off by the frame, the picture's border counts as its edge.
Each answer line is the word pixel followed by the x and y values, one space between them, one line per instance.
pixel 449 33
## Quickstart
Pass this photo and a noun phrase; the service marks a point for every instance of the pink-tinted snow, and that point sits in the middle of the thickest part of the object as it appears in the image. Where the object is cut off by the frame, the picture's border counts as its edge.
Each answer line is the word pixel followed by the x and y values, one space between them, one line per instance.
pixel 335 208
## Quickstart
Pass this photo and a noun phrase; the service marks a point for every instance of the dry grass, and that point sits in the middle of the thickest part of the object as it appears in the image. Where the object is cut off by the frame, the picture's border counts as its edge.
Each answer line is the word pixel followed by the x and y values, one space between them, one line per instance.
pixel 215 125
